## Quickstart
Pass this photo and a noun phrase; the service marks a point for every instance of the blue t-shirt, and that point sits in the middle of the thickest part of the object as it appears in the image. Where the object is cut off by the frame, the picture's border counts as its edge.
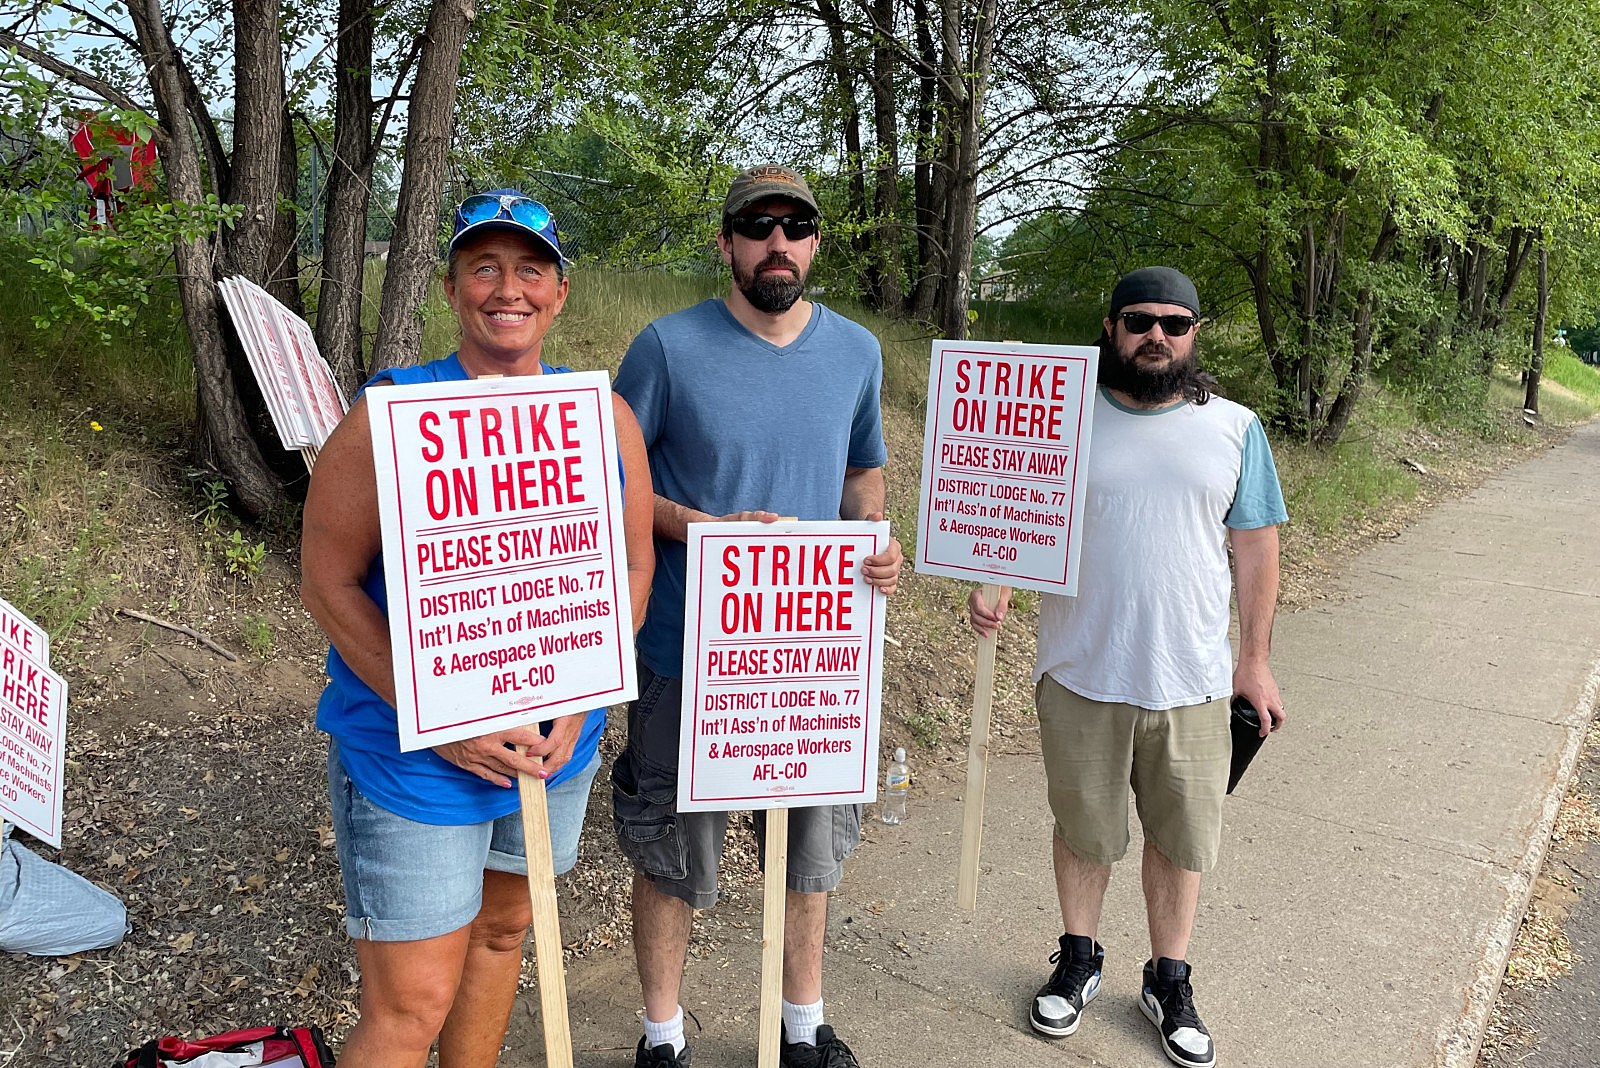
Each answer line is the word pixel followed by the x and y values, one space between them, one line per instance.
pixel 420 785
pixel 734 423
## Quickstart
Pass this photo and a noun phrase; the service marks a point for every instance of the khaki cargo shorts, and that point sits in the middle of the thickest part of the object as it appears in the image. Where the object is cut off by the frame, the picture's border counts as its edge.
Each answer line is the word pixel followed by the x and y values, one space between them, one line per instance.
pixel 1176 761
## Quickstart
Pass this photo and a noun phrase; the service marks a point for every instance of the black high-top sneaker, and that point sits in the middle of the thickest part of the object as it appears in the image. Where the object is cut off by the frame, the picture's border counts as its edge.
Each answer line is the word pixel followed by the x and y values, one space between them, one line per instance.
pixel 1059 1004
pixel 1168 1000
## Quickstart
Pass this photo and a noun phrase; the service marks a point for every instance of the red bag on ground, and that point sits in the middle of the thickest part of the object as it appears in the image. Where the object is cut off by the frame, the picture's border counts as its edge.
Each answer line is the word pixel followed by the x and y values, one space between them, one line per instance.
pixel 254 1047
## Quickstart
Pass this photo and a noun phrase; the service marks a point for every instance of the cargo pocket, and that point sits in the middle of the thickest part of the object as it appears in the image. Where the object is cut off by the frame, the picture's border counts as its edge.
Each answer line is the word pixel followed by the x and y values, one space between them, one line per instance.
pixel 647 822
pixel 846 830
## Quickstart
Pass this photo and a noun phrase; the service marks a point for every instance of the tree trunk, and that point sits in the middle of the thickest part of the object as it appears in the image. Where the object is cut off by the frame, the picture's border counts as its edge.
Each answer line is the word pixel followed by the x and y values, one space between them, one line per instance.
pixel 965 116
pixel 283 248
pixel 1530 399
pixel 886 245
pixel 1361 358
pixel 344 232
pixel 929 178
pixel 1516 259
pixel 224 440
pixel 258 140
pixel 843 67
pixel 413 253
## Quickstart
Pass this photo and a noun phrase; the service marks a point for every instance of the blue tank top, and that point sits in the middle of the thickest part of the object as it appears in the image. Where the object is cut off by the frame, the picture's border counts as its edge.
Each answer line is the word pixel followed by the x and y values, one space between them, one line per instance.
pixel 420 785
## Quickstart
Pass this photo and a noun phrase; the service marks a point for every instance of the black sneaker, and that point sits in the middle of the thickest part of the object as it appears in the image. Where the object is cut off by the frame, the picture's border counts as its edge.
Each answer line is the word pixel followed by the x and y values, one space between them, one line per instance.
pixel 1059 1003
pixel 660 1056
pixel 1168 1000
pixel 829 1051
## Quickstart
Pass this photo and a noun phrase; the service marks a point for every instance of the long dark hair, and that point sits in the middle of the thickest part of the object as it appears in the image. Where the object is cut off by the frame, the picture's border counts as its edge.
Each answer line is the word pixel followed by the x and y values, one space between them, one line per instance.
pixel 1197 386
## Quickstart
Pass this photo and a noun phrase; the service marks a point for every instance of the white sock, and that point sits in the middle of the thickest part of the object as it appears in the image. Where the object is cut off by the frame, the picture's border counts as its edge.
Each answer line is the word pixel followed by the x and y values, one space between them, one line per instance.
pixel 661 1034
pixel 800 1021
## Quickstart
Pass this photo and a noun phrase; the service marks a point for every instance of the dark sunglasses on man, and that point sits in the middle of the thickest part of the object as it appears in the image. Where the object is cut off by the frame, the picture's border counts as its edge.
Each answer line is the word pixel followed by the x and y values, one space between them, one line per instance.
pixel 1171 325
pixel 760 227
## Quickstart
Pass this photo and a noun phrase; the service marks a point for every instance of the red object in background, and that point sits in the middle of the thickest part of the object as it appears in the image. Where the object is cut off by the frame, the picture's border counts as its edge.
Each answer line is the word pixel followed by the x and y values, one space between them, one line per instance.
pixel 115 161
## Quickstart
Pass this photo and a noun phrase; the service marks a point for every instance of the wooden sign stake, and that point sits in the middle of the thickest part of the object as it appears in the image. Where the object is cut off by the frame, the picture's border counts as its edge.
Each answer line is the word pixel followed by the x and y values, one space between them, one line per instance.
pixel 977 763
pixel 774 901
pixel 546 923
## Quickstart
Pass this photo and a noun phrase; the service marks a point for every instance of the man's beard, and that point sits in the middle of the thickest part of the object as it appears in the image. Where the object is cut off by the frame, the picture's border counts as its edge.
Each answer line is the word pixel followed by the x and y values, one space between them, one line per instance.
pixel 1145 386
pixel 771 293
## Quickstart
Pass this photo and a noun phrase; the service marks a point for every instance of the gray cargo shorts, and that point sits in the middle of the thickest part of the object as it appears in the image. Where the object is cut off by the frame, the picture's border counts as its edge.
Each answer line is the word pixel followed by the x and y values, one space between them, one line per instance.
pixel 680 851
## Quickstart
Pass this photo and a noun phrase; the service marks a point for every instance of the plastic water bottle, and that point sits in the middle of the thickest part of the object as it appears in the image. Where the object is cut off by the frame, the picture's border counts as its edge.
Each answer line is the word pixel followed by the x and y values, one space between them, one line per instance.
pixel 896 784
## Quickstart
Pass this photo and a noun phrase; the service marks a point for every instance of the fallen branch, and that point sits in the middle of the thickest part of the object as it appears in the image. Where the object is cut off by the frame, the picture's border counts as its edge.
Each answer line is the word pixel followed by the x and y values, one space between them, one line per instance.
pixel 190 631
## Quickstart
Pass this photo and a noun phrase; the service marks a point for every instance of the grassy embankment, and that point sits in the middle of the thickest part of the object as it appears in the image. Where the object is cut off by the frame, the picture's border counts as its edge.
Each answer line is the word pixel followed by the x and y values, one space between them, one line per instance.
pixel 87 434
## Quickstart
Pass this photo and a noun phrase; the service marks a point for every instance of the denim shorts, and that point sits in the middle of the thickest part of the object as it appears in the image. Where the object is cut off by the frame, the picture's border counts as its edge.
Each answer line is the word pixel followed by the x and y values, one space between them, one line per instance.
pixel 405 880
pixel 680 852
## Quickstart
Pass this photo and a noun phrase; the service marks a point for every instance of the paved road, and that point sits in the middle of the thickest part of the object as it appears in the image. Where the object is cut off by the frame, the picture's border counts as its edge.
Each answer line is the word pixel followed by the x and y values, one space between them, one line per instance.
pixel 1376 863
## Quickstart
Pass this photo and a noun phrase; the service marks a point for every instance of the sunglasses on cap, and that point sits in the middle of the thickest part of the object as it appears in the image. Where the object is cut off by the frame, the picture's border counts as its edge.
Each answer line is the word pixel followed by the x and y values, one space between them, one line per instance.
pixel 760 227
pixel 487 206
pixel 1171 325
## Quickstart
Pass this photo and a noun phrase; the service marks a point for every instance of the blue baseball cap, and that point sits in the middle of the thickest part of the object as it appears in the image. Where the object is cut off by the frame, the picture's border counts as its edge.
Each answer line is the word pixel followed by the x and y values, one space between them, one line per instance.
pixel 506 209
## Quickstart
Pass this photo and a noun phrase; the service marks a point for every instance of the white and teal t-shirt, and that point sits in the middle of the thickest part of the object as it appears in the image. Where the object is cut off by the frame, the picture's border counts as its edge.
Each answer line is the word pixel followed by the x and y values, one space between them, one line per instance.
pixel 1149 626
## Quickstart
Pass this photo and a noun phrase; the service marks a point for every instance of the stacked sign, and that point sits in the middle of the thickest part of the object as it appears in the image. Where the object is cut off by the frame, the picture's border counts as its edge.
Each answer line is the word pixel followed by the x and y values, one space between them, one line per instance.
pixel 782 666
pixel 33 728
pixel 301 394
pixel 503 552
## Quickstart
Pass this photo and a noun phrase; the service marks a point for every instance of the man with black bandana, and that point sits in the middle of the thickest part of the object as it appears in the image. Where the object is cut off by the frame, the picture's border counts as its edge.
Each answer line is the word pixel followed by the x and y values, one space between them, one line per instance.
pixel 1135 672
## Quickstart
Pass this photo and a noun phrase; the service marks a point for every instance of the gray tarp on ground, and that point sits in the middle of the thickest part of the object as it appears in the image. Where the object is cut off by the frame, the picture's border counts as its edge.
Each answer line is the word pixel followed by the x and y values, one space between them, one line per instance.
pixel 49 911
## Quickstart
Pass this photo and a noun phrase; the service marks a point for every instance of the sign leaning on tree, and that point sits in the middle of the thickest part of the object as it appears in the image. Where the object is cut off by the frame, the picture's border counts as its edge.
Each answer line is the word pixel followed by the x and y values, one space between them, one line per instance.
pixel 1004 457
pixel 500 501
pixel 782 677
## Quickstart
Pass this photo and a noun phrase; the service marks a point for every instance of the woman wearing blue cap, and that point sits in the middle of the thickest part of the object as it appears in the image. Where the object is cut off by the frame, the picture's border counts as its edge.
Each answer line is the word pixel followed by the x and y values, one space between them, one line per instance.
pixel 430 842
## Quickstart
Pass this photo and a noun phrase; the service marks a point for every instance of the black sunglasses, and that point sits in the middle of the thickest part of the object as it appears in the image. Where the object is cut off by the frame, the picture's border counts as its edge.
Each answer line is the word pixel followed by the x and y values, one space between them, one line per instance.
pixel 1171 325
pixel 760 227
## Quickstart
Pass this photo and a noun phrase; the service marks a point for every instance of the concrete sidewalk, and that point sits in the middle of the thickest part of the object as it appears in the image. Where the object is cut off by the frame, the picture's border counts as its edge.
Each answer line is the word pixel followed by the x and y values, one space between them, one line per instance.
pixel 1376 863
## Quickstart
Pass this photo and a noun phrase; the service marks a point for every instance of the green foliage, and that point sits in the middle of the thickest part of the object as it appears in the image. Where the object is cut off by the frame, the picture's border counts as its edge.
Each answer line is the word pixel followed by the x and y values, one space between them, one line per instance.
pixel 103 277
pixel 1446 384
pixel 258 636
pixel 242 558
pixel 220 533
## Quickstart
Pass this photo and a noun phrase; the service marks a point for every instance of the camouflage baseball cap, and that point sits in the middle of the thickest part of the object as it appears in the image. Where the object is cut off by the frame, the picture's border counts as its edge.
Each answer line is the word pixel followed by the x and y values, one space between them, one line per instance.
pixel 765 181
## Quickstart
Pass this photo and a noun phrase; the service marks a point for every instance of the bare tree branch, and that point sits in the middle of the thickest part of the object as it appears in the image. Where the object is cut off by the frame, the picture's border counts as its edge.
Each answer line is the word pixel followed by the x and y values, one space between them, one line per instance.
pixel 99 87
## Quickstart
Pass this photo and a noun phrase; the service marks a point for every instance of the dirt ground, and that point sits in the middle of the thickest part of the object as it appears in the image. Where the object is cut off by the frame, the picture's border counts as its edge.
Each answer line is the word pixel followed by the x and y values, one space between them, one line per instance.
pixel 197 784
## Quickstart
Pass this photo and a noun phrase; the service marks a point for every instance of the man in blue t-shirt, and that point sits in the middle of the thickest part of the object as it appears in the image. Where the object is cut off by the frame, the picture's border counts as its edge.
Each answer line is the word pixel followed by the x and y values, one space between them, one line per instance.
pixel 1135 672
pixel 754 406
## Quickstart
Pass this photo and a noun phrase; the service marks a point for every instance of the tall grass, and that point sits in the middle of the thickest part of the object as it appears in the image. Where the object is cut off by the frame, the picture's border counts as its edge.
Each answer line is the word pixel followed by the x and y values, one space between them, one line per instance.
pixel 80 419
pixel 1572 374
pixel 143 373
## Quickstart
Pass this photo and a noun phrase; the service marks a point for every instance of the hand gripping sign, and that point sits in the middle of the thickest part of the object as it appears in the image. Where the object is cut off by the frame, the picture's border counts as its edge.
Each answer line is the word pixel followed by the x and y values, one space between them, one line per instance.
pixel 505 563
pixel 1004 465
pixel 782 673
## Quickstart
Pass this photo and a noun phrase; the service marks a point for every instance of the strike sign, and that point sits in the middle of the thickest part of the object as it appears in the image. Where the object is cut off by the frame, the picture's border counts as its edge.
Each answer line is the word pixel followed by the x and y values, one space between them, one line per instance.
pixel 1005 454
pixel 33 732
pixel 503 552
pixel 782 666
